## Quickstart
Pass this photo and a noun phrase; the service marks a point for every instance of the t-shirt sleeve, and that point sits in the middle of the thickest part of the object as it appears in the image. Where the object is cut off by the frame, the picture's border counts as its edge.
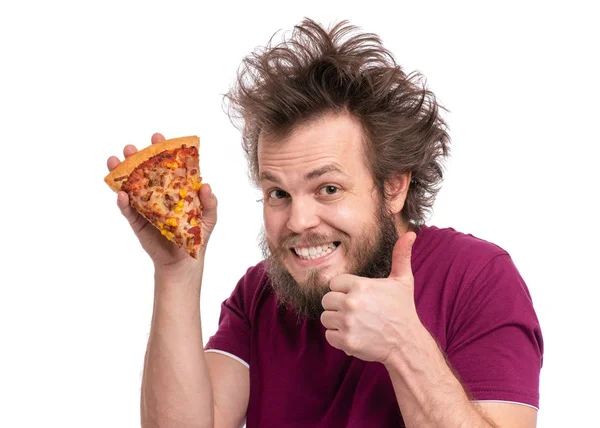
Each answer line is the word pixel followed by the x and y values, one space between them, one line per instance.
pixel 495 343
pixel 234 330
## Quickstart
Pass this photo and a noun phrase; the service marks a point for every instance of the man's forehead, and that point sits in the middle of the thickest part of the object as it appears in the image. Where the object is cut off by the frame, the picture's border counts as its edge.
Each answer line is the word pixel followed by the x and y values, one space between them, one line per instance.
pixel 337 134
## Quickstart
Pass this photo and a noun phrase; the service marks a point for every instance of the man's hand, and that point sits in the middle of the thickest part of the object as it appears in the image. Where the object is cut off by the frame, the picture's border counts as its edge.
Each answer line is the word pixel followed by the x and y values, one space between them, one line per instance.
pixel 165 254
pixel 368 318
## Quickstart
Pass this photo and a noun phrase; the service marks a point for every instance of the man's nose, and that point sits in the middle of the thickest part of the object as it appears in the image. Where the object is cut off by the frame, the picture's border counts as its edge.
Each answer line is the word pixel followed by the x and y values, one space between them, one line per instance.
pixel 303 215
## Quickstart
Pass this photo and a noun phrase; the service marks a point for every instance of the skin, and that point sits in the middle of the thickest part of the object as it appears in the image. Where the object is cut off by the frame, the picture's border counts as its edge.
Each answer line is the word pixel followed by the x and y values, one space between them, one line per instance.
pixel 317 184
pixel 320 193
pixel 371 319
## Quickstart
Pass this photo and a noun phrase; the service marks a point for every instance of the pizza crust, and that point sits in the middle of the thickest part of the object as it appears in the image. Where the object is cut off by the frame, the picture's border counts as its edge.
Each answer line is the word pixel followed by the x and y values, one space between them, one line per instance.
pixel 118 175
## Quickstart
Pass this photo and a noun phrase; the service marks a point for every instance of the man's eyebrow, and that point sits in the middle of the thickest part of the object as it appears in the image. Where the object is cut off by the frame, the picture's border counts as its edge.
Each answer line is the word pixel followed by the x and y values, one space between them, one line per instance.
pixel 267 176
pixel 322 171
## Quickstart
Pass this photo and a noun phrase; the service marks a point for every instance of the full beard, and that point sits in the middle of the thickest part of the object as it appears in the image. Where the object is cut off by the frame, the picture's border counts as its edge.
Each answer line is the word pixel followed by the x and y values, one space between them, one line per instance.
pixel 369 255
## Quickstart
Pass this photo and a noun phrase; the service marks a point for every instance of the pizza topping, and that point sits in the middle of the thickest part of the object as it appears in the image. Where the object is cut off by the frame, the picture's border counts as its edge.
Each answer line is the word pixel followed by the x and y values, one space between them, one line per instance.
pixel 190 164
pixel 179 208
pixel 196 185
pixel 154 179
pixel 195 231
pixel 167 234
pixel 169 202
pixel 164 189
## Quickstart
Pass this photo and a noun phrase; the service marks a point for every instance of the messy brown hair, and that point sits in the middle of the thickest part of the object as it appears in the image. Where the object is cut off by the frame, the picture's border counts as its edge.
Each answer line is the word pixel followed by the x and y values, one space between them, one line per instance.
pixel 318 71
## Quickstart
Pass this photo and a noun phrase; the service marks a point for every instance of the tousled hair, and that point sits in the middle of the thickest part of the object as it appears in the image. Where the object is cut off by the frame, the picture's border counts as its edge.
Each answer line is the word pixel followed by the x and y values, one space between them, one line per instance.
pixel 341 70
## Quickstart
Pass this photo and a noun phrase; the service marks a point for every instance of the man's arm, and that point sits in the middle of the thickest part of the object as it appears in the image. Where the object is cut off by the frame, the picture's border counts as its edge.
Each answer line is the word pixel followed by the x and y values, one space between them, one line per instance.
pixel 176 387
pixel 181 386
pixel 511 415
pixel 176 384
pixel 376 320
pixel 429 395
pixel 231 390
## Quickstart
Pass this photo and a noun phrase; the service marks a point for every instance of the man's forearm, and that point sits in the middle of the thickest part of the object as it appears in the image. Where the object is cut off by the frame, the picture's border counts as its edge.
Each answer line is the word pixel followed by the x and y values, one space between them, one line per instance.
pixel 176 388
pixel 428 393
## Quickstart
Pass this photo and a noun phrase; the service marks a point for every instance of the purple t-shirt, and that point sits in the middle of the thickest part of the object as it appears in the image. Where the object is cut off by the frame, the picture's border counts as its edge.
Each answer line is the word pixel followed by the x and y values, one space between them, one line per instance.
pixel 468 294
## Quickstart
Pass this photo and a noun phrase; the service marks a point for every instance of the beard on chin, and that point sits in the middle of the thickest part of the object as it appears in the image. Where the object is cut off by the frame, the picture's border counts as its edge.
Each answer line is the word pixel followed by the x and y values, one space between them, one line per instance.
pixel 368 255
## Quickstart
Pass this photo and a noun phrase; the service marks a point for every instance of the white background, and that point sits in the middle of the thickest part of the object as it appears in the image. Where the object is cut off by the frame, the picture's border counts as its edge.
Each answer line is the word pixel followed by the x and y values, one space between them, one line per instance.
pixel 79 80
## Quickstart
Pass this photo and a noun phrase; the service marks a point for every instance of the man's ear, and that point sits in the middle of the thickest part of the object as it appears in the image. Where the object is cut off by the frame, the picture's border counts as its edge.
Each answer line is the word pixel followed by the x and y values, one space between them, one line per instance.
pixel 396 189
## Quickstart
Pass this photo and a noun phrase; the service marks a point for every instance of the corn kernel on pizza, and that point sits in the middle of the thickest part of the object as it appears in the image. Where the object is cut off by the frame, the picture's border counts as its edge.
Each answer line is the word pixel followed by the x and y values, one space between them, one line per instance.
pixel 162 182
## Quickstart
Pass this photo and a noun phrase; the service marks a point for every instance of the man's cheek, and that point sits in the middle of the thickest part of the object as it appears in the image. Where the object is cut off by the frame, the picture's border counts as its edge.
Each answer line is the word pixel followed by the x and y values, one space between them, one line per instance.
pixel 273 227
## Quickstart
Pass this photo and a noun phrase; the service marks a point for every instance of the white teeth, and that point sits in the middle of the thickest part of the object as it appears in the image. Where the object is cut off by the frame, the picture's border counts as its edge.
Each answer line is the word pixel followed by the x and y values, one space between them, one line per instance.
pixel 312 253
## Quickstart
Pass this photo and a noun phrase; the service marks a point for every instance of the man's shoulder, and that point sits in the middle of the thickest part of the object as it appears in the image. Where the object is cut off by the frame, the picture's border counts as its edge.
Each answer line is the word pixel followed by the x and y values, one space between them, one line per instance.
pixel 252 284
pixel 255 277
pixel 456 254
pixel 466 267
pixel 256 273
pixel 455 244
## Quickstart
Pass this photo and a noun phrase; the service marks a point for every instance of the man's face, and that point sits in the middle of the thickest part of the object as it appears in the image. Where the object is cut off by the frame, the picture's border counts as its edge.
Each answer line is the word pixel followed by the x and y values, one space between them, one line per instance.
pixel 322 212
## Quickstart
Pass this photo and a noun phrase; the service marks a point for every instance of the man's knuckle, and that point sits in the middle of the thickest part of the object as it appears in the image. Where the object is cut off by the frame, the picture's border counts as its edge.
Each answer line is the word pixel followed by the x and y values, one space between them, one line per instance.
pixel 351 304
pixel 349 343
pixel 345 322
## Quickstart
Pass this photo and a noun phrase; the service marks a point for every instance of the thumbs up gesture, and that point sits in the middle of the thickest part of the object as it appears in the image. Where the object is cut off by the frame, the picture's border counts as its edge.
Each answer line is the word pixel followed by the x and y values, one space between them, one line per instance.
pixel 369 318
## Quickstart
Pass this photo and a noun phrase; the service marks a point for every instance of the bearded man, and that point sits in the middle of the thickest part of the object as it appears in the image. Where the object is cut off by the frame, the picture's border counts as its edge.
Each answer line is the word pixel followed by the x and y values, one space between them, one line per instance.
pixel 361 315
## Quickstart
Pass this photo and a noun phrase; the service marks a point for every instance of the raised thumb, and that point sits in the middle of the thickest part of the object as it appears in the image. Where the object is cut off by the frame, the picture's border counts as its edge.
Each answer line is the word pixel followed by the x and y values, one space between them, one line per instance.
pixel 401 256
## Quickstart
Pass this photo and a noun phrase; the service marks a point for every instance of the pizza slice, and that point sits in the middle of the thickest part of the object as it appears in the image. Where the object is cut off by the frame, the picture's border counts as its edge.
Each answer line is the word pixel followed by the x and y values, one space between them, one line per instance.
pixel 162 182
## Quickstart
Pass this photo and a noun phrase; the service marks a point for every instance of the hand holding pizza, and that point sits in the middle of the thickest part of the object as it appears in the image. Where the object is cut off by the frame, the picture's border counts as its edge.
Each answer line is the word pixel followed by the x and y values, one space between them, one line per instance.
pixel 179 206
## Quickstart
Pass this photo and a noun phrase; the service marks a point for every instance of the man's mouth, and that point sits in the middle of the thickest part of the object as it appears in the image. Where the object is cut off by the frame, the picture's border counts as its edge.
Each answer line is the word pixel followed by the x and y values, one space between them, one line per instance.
pixel 315 252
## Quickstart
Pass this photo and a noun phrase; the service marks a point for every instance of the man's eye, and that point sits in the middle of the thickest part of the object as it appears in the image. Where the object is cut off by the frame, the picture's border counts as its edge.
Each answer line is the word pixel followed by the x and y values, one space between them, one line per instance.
pixel 277 194
pixel 329 190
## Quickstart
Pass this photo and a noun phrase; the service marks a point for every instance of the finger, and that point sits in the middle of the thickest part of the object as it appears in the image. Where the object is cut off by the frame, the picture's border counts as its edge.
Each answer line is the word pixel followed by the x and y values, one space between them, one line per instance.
pixel 342 283
pixel 136 221
pixel 209 206
pixel 331 320
pixel 333 301
pixel 112 162
pixel 401 256
pixel 207 197
pixel 157 138
pixel 129 150
pixel 335 338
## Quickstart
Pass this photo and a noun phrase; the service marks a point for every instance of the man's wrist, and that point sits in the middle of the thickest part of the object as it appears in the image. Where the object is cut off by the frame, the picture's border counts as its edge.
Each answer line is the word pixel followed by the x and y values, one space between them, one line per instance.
pixel 183 279
pixel 421 367
pixel 425 384
pixel 414 352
